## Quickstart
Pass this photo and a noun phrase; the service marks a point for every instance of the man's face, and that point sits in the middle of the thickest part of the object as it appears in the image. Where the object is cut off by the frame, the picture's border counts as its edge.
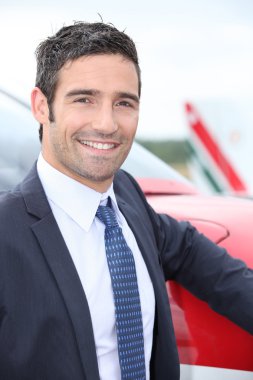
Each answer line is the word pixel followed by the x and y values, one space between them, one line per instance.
pixel 96 108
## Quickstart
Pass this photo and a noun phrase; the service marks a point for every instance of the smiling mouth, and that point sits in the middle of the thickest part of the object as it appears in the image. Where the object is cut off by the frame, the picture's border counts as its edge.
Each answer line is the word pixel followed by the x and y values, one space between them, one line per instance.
pixel 99 146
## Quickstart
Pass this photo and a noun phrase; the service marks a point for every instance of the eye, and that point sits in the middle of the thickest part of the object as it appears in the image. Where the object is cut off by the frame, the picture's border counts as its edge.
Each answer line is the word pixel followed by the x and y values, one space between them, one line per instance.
pixel 82 100
pixel 124 103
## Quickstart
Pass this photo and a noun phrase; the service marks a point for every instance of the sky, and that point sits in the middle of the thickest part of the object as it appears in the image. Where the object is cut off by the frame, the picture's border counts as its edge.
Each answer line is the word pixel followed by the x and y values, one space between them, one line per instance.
pixel 189 50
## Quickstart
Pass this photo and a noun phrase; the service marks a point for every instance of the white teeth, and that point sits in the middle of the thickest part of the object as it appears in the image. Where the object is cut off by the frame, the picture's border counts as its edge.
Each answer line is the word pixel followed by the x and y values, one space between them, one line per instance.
pixel 97 145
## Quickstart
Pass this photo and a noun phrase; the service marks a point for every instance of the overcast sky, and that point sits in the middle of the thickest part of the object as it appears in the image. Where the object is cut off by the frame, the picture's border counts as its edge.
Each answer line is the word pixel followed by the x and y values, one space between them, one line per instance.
pixel 189 50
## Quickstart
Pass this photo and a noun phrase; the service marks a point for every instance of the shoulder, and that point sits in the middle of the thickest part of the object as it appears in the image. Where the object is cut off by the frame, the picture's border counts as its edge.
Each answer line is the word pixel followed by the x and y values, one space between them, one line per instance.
pixel 128 191
pixel 11 202
pixel 125 185
pixel 9 198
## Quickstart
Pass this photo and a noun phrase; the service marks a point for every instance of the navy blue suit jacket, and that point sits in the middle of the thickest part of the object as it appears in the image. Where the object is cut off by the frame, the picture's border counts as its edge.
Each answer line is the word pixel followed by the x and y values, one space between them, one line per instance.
pixel 45 324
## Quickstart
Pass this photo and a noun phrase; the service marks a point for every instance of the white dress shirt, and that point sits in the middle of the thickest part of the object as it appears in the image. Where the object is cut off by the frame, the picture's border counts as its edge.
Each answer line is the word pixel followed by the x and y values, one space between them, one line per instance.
pixel 74 207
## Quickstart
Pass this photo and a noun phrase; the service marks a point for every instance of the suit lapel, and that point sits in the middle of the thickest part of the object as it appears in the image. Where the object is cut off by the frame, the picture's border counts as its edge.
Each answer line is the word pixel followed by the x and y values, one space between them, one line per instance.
pixel 163 321
pixel 62 267
pixel 146 246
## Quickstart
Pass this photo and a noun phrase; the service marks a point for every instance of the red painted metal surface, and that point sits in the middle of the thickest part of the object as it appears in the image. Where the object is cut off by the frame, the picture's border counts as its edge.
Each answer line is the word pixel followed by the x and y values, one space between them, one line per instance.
pixel 159 186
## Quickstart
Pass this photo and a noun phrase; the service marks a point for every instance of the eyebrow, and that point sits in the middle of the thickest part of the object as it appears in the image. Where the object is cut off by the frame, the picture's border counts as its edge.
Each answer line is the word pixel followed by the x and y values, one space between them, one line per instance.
pixel 93 92
pixel 129 95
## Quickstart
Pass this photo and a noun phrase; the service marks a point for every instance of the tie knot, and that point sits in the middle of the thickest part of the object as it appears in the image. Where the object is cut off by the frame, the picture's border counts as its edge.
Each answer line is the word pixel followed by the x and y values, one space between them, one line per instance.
pixel 107 216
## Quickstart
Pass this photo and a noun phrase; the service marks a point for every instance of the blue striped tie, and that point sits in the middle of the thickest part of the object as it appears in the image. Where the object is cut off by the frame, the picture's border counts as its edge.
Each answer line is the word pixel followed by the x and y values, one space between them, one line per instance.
pixel 126 298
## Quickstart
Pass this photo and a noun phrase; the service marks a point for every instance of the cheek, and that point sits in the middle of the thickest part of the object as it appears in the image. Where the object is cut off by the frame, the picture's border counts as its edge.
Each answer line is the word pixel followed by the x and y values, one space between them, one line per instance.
pixel 133 126
pixel 82 119
pixel 71 122
pixel 128 124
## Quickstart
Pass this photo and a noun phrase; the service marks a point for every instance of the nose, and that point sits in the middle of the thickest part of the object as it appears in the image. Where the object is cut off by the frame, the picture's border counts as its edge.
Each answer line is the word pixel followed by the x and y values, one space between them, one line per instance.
pixel 104 121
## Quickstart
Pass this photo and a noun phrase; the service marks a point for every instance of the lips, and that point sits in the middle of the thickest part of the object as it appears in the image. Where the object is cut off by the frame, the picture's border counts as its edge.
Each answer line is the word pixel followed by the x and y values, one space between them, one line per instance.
pixel 98 145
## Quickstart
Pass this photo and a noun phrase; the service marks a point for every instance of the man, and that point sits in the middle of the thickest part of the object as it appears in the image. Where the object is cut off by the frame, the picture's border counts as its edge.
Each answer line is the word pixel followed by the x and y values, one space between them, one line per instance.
pixel 62 307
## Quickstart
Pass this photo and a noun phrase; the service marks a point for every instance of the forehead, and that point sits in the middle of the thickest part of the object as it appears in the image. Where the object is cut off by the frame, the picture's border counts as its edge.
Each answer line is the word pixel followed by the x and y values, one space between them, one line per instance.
pixel 104 72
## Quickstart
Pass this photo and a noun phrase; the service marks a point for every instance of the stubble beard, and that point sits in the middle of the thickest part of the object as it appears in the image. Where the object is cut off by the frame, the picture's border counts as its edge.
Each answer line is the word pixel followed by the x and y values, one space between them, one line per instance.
pixel 92 168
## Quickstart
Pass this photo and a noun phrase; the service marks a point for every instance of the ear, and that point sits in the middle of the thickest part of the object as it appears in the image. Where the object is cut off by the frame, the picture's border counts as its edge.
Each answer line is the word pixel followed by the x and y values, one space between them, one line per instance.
pixel 39 106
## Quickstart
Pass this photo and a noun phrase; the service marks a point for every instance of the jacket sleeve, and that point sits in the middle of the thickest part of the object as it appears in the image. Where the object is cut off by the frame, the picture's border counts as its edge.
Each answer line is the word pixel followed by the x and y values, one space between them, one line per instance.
pixel 206 270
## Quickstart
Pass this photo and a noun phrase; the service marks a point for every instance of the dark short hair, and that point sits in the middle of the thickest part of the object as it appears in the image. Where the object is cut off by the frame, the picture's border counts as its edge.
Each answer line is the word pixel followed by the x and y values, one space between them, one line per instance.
pixel 74 41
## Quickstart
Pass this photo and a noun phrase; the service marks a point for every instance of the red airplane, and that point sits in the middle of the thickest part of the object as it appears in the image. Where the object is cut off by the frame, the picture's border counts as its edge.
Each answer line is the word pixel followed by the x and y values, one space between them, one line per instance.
pixel 210 346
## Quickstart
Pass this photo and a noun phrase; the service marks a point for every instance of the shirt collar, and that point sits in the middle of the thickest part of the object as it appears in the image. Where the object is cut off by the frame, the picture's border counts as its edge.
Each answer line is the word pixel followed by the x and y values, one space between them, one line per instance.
pixel 80 202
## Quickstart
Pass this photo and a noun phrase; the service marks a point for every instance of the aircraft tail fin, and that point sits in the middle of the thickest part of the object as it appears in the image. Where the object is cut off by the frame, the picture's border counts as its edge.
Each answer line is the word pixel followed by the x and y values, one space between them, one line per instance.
pixel 216 164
